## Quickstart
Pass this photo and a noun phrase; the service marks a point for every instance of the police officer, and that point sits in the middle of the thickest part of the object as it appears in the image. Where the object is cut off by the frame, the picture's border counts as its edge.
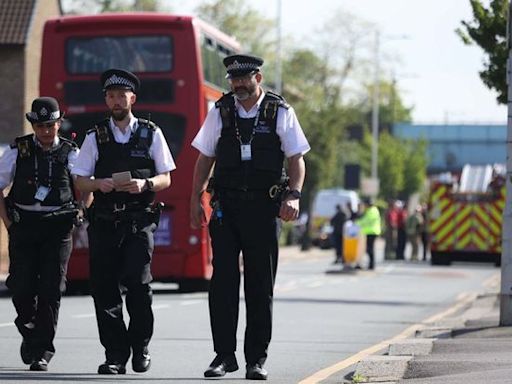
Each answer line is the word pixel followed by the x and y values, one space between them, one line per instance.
pixel 123 161
pixel 247 136
pixel 38 213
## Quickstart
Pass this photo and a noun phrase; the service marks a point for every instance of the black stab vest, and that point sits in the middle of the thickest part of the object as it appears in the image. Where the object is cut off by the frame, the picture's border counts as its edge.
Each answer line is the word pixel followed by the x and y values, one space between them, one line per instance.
pixel 25 184
pixel 266 165
pixel 132 156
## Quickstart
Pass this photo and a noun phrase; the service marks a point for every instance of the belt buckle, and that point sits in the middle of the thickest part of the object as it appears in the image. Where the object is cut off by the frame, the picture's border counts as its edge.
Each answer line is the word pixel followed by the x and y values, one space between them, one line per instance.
pixel 119 207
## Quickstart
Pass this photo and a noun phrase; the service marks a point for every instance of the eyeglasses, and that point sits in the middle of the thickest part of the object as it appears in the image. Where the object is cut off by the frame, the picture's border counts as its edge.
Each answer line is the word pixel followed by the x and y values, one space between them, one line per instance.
pixel 243 79
pixel 45 125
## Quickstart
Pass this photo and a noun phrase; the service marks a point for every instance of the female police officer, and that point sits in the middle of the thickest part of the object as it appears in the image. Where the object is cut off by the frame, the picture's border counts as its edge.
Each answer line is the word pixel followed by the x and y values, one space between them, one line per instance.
pixel 39 217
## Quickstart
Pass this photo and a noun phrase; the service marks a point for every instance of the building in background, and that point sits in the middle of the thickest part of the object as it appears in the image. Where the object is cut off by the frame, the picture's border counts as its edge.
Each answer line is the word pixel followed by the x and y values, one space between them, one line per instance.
pixel 451 146
pixel 21 29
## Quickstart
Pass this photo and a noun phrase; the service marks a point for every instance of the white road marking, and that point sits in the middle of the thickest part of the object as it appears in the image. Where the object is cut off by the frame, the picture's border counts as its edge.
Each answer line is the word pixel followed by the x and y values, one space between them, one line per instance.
pixel 6 324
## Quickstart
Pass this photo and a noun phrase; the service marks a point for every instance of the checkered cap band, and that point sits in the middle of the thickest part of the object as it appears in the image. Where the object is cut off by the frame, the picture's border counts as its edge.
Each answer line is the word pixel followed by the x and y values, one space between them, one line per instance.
pixel 236 66
pixel 118 80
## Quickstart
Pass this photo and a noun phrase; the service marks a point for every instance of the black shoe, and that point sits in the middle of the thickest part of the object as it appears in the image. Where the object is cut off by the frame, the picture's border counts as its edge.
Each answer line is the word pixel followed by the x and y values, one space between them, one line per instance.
pixel 255 372
pixel 26 353
pixel 141 361
pixel 111 368
pixel 39 365
pixel 220 365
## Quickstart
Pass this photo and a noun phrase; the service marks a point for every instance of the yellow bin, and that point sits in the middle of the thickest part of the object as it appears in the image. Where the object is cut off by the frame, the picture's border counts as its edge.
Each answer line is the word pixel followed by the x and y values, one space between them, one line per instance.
pixel 352 243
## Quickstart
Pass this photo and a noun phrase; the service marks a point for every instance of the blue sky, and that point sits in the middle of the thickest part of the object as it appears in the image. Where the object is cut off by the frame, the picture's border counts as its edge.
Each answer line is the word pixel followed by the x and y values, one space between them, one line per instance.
pixel 436 72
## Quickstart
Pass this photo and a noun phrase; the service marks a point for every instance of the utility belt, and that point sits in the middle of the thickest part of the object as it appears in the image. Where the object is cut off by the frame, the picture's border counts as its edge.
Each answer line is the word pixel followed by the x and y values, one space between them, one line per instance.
pixel 125 213
pixel 18 215
pixel 276 192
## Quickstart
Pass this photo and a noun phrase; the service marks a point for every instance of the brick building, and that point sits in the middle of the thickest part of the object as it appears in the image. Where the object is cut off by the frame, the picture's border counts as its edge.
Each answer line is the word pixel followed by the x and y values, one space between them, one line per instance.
pixel 21 30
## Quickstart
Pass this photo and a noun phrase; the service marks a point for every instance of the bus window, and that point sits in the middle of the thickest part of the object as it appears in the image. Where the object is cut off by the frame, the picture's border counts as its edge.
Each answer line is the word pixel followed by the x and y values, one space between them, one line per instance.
pixel 135 53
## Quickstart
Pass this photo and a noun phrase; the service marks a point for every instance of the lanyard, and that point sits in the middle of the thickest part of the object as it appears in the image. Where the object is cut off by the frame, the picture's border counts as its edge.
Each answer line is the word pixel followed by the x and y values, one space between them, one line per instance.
pixel 36 170
pixel 256 120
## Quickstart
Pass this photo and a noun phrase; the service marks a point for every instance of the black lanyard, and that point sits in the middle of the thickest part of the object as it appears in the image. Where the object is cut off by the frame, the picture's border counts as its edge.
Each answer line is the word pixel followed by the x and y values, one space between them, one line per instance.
pixel 256 120
pixel 36 170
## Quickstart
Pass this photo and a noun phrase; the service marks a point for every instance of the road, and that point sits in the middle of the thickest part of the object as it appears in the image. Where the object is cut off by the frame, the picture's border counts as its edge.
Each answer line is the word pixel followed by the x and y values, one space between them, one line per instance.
pixel 322 318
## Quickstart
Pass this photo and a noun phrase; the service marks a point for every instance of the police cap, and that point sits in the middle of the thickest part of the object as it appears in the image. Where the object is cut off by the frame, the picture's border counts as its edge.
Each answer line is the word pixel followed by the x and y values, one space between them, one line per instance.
pixel 119 78
pixel 44 110
pixel 240 65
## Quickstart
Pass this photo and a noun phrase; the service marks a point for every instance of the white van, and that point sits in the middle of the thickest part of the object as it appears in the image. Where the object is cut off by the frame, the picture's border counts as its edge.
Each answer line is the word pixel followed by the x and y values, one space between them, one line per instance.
pixel 324 208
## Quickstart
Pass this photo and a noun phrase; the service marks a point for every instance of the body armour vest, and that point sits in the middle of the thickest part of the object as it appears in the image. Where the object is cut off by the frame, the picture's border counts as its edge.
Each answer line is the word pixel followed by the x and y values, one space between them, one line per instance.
pixel 37 168
pixel 132 156
pixel 265 167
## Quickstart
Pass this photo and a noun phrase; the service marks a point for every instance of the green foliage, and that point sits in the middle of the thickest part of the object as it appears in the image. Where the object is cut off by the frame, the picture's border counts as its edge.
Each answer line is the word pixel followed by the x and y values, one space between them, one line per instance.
pixel 237 19
pixel 401 165
pixel 488 29
pixel 85 6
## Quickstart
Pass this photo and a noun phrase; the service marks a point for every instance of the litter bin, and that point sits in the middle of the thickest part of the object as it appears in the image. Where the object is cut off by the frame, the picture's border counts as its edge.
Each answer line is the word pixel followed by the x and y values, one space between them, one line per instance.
pixel 352 242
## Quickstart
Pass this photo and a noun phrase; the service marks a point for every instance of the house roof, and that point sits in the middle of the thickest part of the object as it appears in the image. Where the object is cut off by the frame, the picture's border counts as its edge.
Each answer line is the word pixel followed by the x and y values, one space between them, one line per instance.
pixel 15 17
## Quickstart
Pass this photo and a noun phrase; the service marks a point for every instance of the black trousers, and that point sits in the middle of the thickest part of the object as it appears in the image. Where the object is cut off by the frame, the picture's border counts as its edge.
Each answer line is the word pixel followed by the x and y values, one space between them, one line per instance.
pixel 120 255
pixel 249 227
pixel 39 251
pixel 370 249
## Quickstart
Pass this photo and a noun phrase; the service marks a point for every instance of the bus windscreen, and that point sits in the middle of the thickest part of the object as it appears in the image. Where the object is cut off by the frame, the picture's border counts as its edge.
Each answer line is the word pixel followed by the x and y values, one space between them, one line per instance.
pixel 135 53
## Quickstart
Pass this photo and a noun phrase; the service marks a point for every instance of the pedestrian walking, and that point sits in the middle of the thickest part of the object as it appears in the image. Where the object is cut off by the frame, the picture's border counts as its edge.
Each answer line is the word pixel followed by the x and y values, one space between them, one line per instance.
pixel 247 136
pixel 337 223
pixel 124 160
pixel 401 232
pixel 390 232
pixel 39 213
pixel 370 225
pixel 425 237
pixel 414 228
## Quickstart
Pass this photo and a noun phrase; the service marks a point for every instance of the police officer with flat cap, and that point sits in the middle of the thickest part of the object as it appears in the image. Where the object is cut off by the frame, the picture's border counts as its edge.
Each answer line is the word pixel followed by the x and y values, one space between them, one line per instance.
pixel 124 160
pixel 246 136
pixel 39 213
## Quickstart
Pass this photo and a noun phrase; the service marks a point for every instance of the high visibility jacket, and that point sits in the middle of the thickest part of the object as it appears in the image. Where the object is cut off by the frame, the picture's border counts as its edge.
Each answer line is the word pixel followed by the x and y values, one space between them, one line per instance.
pixel 370 221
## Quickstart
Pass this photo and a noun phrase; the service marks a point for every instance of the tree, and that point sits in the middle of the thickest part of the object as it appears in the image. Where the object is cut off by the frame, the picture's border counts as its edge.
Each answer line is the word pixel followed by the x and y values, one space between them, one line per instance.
pixel 237 19
pixel 85 6
pixel 488 29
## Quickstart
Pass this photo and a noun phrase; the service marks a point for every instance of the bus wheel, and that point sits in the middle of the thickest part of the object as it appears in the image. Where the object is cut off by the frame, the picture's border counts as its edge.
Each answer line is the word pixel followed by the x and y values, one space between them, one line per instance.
pixel 439 258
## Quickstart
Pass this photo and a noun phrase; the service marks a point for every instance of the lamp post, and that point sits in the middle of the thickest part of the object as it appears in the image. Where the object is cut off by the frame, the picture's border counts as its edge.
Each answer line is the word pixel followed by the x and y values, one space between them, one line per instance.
pixel 278 79
pixel 506 252
pixel 375 109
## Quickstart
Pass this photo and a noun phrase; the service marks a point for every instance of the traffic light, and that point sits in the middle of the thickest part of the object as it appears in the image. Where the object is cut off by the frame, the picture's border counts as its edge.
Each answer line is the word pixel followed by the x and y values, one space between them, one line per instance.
pixel 352 176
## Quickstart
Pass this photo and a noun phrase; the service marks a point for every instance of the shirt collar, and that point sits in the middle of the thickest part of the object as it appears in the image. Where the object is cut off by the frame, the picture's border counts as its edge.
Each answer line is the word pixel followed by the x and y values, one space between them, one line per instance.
pixel 56 141
pixel 255 107
pixel 132 124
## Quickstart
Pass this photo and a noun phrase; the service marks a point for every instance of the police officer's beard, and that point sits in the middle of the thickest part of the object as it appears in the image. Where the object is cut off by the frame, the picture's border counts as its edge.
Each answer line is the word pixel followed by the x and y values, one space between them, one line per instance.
pixel 120 114
pixel 244 93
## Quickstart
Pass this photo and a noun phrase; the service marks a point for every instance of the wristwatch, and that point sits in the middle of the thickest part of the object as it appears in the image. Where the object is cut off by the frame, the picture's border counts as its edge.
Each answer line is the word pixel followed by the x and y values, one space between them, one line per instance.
pixel 148 185
pixel 295 193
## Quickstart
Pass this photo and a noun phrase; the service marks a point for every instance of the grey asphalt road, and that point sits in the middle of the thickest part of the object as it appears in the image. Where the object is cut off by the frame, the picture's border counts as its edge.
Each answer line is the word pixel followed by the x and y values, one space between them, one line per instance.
pixel 321 318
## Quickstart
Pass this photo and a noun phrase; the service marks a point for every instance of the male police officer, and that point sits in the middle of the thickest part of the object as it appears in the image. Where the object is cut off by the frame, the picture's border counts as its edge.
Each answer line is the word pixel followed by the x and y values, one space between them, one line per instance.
pixel 39 217
pixel 247 136
pixel 123 161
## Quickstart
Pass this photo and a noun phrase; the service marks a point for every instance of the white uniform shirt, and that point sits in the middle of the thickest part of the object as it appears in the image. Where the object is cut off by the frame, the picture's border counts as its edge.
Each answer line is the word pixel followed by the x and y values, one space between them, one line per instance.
pixel 159 150
pixel 8 170
pixel 293 140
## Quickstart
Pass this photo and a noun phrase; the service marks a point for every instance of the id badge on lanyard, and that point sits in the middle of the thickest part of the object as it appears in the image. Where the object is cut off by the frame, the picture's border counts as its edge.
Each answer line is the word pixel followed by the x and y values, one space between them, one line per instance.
pixel 245 152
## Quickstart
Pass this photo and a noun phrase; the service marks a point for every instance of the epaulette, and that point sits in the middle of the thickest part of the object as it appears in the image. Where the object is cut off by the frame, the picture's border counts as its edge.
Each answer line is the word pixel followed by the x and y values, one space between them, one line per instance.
pixel 280 100
pixel 147 122
pixel 23 143
pixel 226 97
pixel 101 129
pixel 68 142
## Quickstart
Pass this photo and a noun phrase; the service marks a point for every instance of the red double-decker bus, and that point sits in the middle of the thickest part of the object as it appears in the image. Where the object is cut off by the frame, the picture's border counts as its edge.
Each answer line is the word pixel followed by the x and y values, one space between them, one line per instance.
pixel 179 62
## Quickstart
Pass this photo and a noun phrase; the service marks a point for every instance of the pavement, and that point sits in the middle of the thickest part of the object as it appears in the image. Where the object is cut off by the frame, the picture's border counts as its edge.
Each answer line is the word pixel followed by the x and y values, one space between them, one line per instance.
pixel 467 346
pixel 464 345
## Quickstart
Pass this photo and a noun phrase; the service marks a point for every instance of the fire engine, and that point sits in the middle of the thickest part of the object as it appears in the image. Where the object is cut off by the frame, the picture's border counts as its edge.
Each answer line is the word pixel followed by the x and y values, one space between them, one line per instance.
pixel 465 215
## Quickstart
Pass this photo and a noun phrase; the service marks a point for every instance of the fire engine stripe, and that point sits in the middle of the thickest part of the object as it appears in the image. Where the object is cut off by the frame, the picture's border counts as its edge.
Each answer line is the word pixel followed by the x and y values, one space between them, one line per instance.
pixel 445 217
